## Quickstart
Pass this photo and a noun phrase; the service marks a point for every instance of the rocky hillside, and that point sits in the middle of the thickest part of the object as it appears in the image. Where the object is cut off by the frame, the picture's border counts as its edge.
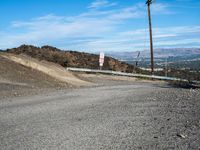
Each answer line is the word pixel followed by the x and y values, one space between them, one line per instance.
pixel 71 58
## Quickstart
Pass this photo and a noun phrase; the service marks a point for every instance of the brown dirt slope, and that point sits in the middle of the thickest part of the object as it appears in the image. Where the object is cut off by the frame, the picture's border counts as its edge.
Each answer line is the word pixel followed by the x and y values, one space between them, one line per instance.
pixel 71 58
pixel 16 79
pixel 54 70
pixel 11 72
pixel 23 75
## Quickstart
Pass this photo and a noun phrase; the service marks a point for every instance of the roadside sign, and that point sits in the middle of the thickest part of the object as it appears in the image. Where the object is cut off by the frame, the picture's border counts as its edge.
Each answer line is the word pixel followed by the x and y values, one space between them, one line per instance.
pixel 101 59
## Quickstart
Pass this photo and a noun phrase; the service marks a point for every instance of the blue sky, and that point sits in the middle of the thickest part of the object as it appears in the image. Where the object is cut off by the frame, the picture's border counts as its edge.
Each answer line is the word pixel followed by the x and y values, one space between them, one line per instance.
pixel 99 25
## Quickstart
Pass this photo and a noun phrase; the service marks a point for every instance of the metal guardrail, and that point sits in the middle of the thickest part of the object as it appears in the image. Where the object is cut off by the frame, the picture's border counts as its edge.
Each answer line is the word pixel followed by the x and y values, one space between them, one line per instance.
pixel 125 74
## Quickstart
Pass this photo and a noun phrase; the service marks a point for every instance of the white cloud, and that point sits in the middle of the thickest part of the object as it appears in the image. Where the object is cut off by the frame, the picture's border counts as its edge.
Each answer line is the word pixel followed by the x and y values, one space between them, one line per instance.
pixel 161 7
pixel 164 32
pixel 101 4
pixel 53 28
pixel 139 39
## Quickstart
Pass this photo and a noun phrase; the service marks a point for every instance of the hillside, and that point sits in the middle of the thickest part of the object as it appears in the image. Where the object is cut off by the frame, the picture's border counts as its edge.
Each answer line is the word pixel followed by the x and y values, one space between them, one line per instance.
pixel 16 79
pixel 22 75
pixel 71 58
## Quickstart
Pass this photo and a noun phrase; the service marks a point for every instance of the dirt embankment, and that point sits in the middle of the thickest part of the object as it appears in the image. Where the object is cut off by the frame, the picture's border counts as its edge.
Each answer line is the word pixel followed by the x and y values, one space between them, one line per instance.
pixel 71 58
pixel 54 70
pixel 16 79
pixel 22 75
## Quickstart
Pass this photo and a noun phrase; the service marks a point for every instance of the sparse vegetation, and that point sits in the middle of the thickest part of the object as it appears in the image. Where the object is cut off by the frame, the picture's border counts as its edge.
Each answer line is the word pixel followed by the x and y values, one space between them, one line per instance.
pixel 72 58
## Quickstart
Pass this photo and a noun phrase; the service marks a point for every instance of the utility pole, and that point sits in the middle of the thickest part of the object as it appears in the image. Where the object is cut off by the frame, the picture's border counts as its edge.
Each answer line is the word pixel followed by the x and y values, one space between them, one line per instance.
pixel 149 2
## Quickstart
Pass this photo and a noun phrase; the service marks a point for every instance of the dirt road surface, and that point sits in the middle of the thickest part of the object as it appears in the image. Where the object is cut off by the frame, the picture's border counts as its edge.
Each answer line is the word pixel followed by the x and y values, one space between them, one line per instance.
pixel 121 115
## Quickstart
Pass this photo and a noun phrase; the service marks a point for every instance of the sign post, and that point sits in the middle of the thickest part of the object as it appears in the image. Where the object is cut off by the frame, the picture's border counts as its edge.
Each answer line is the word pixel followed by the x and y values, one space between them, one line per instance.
pixel 101 60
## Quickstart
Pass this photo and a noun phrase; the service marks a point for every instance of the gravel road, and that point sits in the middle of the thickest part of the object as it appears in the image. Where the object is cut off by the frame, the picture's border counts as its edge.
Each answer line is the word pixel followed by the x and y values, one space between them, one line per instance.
pixel 136 116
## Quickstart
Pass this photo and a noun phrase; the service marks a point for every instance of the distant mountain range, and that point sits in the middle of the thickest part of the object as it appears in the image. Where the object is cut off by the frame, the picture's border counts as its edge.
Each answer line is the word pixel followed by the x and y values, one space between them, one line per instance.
pixel 158 53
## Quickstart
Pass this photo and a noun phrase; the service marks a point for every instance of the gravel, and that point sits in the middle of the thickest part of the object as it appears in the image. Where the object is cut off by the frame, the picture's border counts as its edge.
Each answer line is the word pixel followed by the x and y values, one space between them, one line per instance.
pixel 138 115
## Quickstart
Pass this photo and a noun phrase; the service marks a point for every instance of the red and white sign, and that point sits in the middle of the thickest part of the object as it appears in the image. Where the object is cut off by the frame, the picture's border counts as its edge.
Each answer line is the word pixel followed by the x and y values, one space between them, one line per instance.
pixel 101 59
